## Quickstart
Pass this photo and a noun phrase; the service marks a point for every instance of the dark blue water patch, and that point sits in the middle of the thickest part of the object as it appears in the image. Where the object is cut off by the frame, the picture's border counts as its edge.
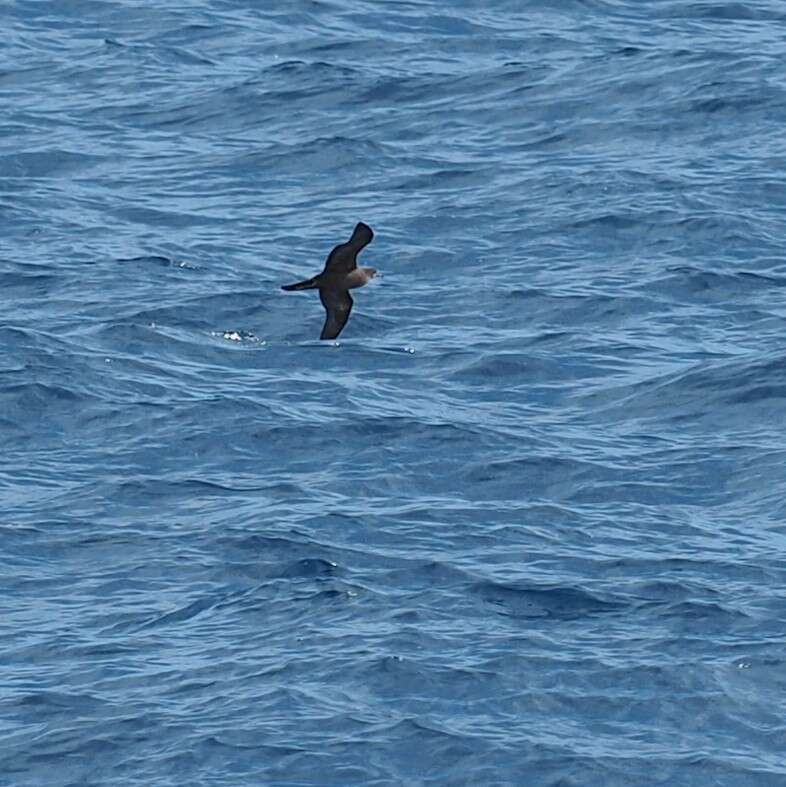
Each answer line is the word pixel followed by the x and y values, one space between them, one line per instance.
pixel 724 11
pixel 704 389
pixel 299 159
pixel 232 107
pixel 46 164
pixel 723 289
pixel 560 602
pixel 162 55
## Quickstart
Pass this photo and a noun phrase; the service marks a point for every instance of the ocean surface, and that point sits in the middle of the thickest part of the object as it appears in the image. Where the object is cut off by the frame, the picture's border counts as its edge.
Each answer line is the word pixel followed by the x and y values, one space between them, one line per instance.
pixel 524 523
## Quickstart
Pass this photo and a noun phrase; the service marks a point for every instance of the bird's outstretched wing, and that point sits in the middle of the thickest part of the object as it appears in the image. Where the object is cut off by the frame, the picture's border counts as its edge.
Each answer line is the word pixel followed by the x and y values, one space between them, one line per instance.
pixel 338 305
pixel 344 257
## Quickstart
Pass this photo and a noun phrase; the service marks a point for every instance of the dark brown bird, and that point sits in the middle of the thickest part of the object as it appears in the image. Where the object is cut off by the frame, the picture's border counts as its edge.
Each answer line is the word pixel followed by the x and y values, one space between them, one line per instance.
pixel 340 275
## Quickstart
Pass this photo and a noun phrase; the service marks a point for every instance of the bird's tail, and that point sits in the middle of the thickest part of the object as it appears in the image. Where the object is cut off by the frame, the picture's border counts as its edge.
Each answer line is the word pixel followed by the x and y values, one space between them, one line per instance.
pixel 308 284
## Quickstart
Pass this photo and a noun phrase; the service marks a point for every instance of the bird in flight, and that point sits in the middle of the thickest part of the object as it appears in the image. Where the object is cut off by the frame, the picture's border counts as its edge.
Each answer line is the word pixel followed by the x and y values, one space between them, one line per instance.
pixel 340 275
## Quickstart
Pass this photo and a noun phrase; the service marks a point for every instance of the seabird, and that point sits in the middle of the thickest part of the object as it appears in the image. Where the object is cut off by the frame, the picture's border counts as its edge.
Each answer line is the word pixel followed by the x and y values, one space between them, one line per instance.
pixel 341 274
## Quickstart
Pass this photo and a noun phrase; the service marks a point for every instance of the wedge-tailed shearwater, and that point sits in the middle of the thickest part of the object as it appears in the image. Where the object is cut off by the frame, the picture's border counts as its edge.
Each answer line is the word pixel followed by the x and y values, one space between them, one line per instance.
pixel 341 274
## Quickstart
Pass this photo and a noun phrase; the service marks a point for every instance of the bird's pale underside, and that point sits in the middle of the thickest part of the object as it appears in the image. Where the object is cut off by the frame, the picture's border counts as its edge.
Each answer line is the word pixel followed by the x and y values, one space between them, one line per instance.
pixel 340 275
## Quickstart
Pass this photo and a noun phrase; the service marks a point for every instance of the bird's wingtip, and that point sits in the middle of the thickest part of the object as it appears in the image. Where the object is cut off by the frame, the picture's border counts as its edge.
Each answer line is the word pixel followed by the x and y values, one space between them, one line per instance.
pixel 362 235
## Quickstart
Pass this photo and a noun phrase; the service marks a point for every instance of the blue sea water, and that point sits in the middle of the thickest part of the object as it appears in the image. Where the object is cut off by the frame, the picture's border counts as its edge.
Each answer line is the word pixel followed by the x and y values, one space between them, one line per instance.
pixel 523 524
